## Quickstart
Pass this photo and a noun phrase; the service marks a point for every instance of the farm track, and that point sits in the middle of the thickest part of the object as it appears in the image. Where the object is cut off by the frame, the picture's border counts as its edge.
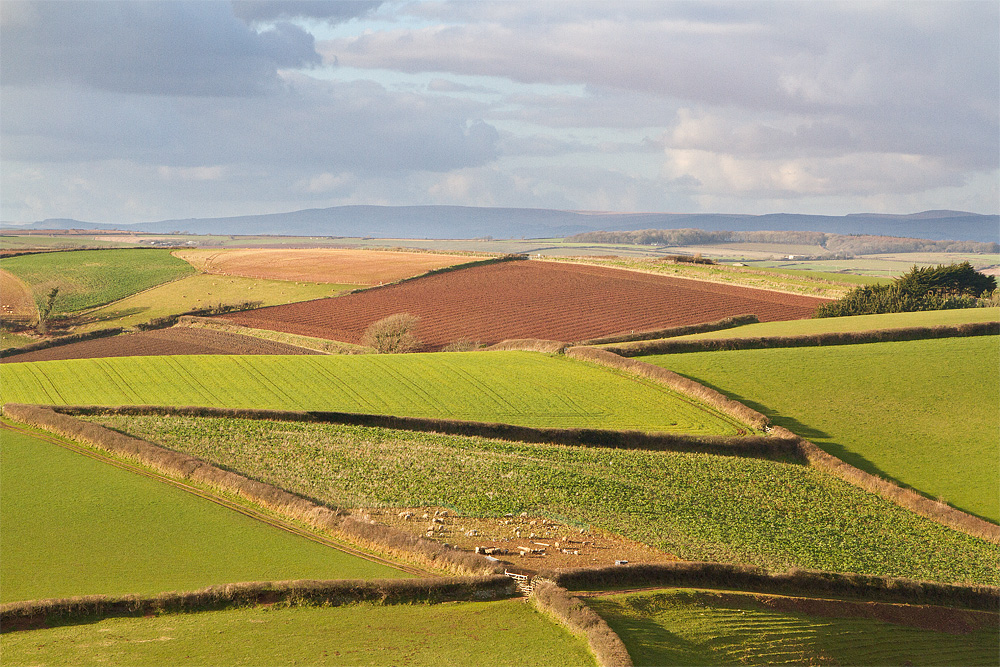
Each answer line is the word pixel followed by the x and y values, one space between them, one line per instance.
pixel 530 299
pixel 219 500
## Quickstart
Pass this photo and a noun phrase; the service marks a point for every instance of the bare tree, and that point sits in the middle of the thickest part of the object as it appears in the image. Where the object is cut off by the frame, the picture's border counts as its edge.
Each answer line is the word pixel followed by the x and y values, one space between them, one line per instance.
pixel 393 334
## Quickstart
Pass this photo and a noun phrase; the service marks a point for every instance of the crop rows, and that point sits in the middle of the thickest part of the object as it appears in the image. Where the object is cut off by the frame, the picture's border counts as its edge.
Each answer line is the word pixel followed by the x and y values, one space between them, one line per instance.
pixel 529 300
pixel 695 506
pixel 522 388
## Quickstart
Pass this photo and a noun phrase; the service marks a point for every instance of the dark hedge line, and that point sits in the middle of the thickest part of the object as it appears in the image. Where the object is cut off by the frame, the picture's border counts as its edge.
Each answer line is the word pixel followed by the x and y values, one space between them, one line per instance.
pixel 445 269
pixel 687 574
pixel 603 642
pixel 61 340
pixel 378 536
pixel 90 608
pixel 783 448
pixel 810 340
pixel 673 332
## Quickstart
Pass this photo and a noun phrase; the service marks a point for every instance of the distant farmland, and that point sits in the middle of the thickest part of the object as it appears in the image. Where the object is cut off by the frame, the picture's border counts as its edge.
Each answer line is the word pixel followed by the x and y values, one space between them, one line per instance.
pixel 529 299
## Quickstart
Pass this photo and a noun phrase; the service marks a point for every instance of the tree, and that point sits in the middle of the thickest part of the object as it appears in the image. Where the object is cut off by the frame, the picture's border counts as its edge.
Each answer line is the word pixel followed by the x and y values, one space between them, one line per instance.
pixel 46 311
pixel 393 334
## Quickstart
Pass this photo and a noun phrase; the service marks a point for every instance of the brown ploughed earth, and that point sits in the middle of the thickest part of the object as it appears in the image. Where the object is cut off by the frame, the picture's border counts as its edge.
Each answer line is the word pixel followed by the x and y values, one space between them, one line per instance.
pixel 320 265
pixel 160 342
pixel 16 302
pixel 546 543
pixel 529 299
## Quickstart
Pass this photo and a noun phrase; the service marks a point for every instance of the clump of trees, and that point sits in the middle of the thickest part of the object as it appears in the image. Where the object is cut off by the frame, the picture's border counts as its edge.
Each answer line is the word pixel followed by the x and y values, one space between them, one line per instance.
pixel 393 334
pixel 921 288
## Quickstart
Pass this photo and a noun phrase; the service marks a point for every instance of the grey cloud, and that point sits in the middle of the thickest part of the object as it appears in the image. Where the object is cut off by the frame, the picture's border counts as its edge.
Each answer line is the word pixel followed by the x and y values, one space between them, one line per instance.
pixel 448 86
pixel 260 11
pixel 168 48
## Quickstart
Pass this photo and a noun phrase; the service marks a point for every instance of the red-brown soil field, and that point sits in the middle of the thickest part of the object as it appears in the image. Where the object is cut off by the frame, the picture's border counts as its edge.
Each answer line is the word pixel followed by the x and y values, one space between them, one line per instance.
pixel 319 265
pixel 160 342
pixel 529 299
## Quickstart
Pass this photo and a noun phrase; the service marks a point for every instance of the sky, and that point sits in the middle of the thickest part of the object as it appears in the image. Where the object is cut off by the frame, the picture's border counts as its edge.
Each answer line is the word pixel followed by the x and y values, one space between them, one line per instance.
pixel 141 110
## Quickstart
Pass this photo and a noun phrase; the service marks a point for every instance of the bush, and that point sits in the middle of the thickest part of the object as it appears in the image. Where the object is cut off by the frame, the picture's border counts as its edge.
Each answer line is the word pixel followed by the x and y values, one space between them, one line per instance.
pixel 393 334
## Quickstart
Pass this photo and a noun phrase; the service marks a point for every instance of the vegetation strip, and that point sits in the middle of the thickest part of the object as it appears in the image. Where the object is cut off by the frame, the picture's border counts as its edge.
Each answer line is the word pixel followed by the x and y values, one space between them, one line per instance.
pixel 243 509
pixel 810 583
pixel 305 342
pixel 89 608
pixel 672 332
pixel 188 467
pixel 808 340
pixel 932 509
pixel 59 341
pixel 783 448
pixel 606 646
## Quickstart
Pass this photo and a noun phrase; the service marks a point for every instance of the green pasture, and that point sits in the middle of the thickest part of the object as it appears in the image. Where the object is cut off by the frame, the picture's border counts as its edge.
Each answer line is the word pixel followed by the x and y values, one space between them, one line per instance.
pixel 9 339
pixel 89 278
pixel 679 627
pixel 524 388
pixel 800 282
pixel 203 291
pixel 921 412
pixel 928 318
pixel 695 506
pixel 58 242
pixel 73 525
pixel 884 266
pixel 508 632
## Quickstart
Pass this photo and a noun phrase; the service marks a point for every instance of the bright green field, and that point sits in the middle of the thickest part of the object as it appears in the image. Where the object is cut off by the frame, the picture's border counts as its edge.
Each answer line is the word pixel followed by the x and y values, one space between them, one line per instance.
pixel 930 318
pixel 696 506
pixel 202 291
pixel 508 632
pixel 525 388
pixel 73 525
pixel 90 278
pixel 922 412
pixel 676 627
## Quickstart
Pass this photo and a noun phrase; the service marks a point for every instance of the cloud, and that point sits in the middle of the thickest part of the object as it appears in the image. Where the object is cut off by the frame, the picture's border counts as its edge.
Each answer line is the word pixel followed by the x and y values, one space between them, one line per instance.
pixel 332 11
pixel 164 48
pixel 447 86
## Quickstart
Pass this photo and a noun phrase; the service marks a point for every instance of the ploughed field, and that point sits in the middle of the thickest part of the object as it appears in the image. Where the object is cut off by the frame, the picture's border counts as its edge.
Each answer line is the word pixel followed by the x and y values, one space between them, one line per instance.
pixel 529 299
pixel 16 302
pixel 319 265
pixel 160 342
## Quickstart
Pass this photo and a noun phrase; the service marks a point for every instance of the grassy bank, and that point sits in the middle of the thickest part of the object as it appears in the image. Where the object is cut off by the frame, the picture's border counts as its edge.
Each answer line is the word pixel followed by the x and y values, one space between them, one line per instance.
pixel 522 388
pixel 923 413
pixel 675 627
pixel 696 506
pixel 76 526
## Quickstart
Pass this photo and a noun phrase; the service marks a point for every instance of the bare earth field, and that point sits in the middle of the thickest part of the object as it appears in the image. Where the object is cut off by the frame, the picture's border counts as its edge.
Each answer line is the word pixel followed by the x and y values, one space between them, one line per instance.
pixel 16 302
pixel 529 299
pixel 160 342
pixel 319 265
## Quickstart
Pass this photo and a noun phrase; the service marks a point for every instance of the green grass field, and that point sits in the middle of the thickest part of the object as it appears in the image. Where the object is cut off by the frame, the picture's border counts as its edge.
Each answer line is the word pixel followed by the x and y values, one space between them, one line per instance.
pixel 90 278
pixel 886 266
pixel 798 282
pixel 696 506
pixel 525 388
pixel 508 632
pixel 921 412
pixel 930 318
pixel 202 291
pixel 73 525
pixel 678 627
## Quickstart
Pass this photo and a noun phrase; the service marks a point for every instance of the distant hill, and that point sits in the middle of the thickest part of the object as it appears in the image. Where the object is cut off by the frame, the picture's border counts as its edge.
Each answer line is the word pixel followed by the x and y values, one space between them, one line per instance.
pixel 463 222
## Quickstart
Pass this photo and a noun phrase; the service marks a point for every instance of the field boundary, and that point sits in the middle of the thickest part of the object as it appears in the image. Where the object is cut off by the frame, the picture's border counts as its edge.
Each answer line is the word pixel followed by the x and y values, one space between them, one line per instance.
pixel 32 614
pixel 607 647
pixel 298 340
pixel 749 578
pixel 673 332
pixel 781 448
pixel 909 499
pixel 643 348
pixel 376 536
pixel 510 257
pixel 61 340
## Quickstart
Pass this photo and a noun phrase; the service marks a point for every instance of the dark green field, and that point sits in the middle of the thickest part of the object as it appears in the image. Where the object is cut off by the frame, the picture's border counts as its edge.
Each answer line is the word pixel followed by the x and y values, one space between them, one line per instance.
pixel 922 412
pixel 76 526
pixel 679 627
pixel 696 506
